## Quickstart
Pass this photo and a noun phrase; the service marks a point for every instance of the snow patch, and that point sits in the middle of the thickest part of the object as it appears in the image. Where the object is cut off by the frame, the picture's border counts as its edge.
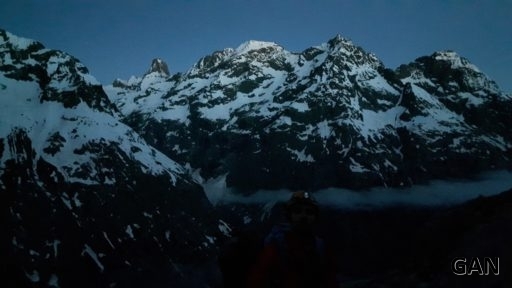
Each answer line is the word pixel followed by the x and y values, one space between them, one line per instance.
pixel 301 155
pixel 356 167
pixel 224 228
pixel 323 129
pixel 33 277
pixel 53 281
pixel 472 99
pixel 129 231
pixel 108 240
pixel 88 250
pixel 55 244
pixel 300 106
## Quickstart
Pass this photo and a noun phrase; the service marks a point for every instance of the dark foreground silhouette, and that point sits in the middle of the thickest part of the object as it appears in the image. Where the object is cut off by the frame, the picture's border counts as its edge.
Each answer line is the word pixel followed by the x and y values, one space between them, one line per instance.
pixel 413 246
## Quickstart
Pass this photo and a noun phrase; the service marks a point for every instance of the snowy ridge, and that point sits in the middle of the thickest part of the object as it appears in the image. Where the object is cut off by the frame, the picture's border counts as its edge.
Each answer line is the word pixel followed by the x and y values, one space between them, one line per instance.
pixel 465 82
pixel 455 60
pixel 78 127
pixel 17 42
pixel 58 72
pixel 75 127
pixel 252 45
pixel 334 99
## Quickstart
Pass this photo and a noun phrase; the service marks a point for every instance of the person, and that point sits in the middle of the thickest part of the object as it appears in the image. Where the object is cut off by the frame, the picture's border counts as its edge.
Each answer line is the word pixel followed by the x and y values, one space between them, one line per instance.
pixel 293 255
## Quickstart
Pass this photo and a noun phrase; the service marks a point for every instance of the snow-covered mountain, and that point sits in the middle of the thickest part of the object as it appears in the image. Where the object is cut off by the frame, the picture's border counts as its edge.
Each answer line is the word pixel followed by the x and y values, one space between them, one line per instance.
pixel 331 115
pixel 85 200
pixel 90 194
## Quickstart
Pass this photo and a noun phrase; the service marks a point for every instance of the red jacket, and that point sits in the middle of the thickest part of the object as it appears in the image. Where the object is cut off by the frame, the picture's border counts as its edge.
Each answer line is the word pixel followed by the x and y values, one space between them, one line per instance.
pixel 294 262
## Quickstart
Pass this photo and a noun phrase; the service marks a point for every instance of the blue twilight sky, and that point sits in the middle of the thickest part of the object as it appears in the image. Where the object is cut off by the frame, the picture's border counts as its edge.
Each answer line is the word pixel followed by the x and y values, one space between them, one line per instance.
pixel 117 39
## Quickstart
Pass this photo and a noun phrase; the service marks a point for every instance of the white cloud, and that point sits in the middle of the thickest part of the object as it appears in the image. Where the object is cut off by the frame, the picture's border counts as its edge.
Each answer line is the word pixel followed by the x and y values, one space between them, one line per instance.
pixel 437 193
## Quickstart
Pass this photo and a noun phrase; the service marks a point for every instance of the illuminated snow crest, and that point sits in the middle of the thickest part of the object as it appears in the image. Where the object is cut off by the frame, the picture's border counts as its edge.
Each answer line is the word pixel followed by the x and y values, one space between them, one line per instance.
pixel 455 60
pixel 255 45
pixel 18 42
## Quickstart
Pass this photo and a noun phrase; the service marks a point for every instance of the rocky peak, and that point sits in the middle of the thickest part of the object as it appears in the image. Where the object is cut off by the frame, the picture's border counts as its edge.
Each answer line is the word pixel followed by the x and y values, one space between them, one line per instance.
pixel 253 45
pixel 345 50
pixel 211 61
pixel 455 61
pixel 249 56
pixel 445 73
pixel 60 76
pixel 339 41
pixel 159 66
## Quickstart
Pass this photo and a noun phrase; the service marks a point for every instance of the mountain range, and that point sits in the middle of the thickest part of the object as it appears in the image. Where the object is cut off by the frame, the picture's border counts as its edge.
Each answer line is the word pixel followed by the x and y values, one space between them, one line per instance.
pixel 101 184
pixel 330 116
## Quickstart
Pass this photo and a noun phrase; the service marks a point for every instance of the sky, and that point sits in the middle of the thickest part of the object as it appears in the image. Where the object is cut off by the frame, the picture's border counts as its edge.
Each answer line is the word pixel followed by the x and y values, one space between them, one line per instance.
pixel 118 39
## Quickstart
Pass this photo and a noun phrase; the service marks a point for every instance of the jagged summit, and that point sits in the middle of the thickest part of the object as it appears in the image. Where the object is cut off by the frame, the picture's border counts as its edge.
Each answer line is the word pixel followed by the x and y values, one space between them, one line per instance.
pixel 449 74
pixel 340 46
pixel 255 45
pixel 61 77
pixel 159 66
pixel 455 59
pixel 340 43
pixel 339 40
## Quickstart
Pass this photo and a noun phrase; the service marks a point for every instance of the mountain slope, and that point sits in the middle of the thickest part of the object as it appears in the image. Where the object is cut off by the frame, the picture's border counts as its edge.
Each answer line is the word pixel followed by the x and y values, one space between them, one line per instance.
pixel 332 115
pixel 457 118
pixel 85 200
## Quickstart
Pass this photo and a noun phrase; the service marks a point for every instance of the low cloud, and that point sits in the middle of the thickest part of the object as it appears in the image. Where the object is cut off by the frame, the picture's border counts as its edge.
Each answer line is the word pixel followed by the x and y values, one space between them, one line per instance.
pixel 437 193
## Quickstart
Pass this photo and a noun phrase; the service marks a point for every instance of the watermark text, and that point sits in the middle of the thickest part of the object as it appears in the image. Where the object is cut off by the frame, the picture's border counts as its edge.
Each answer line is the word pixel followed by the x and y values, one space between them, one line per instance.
pixel 476 266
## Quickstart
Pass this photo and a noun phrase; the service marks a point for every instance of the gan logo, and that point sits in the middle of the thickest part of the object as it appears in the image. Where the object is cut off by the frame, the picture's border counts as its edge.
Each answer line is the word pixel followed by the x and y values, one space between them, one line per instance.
pixel 475 266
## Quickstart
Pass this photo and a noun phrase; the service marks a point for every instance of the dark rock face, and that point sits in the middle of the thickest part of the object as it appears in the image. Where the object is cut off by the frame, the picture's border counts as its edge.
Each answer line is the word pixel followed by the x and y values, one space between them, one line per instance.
pixel 159 66
pixel 97 235
pixel 332 115
pixel 85 201
pixel 405 246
